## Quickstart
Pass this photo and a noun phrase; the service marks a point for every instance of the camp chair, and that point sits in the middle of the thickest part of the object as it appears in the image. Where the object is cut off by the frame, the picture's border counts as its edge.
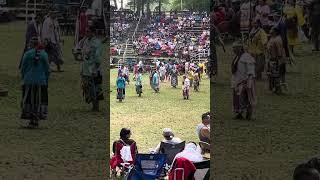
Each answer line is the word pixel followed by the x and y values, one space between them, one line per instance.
pixel 147 167
pixel 203 170
pixel 117 164
pixel 182 169
pixel 205 147
pixel 171 150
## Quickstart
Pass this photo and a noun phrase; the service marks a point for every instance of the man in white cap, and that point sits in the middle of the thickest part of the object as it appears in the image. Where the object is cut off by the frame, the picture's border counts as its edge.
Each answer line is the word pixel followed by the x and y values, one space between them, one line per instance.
pixel 168 138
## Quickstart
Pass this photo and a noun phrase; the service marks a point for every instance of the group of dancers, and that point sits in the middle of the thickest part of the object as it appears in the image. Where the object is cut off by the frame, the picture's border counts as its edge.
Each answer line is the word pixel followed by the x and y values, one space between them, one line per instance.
pixel 163 71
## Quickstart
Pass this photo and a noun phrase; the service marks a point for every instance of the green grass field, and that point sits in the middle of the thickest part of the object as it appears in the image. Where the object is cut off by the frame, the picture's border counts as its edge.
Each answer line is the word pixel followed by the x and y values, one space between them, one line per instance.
pixel 285 132
pixel 71 144
pixel 149 114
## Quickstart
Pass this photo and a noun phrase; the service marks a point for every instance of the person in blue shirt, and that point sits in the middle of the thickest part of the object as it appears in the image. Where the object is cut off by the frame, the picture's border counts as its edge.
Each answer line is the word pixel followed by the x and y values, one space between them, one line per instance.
pixel 121 87
pixel 35 73
pixel 156 82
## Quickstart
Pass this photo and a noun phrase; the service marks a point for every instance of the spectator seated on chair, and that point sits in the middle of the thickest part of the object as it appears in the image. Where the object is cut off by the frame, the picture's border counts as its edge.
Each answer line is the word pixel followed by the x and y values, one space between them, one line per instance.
pixel 168 138
pixel 124 150
pixel 192 152
pixel 203 129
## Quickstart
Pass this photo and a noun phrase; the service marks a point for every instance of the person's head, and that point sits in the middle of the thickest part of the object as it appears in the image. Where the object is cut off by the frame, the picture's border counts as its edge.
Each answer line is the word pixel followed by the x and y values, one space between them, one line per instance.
pixel 277 16
pixel 257 23
pixel 262 2
pixel 206 118
pixel 167 134
pixel 305 172
pixel 125 133
pixel 83 9
pixel 37 19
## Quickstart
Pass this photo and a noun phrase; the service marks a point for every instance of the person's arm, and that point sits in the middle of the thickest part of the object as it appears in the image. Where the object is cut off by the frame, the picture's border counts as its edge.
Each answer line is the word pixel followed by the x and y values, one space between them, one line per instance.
pixel 205 132
pixel 46 65
pixel 23 65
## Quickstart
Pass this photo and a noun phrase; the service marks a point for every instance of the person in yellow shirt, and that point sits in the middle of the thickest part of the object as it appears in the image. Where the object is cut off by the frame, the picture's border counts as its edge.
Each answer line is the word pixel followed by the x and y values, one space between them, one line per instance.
pixel 190 76
pixel 256 46
pixel 293 15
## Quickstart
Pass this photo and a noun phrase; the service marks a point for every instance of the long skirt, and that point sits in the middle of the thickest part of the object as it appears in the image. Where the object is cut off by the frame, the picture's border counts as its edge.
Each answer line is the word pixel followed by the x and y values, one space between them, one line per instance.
pixel 174 81
pixel 34 102
pixel 244 100
pixel 54 53
pixel 91 88
pixel 121 93
pixel 156 87
pixel 185 92
pixel 260 65
pixel 138 89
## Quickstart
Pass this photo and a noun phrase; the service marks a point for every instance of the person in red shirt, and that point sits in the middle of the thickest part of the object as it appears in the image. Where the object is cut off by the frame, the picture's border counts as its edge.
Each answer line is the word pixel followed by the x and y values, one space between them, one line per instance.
pixel 83 22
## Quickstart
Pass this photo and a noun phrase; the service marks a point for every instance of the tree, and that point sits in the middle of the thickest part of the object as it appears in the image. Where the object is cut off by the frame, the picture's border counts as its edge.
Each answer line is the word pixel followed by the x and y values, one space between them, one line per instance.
pixel 115 4
pixel 193 5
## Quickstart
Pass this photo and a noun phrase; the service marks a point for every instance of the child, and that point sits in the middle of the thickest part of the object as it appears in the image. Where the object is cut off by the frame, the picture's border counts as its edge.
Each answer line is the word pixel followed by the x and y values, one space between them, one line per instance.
pixel 121 87
pixel 185 87
pixel 139 83
pixel 196 81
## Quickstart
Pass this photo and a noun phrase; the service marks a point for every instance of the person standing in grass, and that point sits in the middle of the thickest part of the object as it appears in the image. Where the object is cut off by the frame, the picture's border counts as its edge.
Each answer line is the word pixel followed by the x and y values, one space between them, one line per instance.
pixel 203 129
pixel 139 82
pixel 156 82
pixel 277 64
pixel 51 38
pixel 243 82
pixel 35 73
pixel 185 87
pixel 174 77
pixel 91 78
pixel 121 87
pixel 257 44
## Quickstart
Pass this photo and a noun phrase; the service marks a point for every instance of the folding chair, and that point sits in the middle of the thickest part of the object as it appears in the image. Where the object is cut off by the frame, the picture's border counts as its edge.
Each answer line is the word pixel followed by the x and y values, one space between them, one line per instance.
pixel 147 167
pixel 118 164
pixel 171 150
pixel 203 170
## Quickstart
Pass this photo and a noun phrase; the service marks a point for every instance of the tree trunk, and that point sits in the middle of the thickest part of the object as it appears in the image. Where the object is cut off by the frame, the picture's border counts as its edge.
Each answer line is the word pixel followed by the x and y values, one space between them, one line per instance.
pixel 138 5
pixel 142 6
pixel 115 3
pixel 134 6
pixel 148 9
pixel 159 7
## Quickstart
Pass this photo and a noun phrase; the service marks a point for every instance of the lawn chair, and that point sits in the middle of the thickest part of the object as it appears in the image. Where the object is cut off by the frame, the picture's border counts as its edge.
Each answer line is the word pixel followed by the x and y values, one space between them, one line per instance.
pixel 205 147
pixel 147 167
pixel 203 170
pixel 117 164
pixel 171 150
pixel 182 169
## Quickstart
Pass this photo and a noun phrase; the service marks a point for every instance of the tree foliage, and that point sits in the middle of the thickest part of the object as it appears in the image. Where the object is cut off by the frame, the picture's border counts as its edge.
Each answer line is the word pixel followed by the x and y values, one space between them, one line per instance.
pixel 193 5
